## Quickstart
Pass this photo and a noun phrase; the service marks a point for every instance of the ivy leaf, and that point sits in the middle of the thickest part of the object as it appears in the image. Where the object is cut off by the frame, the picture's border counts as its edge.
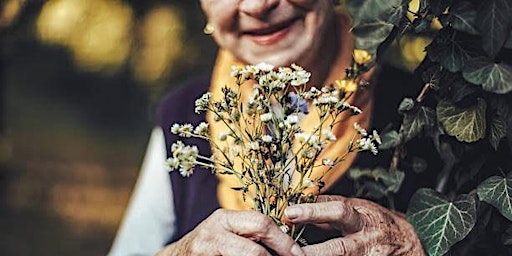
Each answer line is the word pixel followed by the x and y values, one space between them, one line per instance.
pixel 389 140
pixel 464 17
pixel 438 222
pixel 371 34
pixel 377 182
pixel 460 89
pixel 498 131
pixel 494 24
pixel 497 191
pixel 389 11
pixel 406 105
pixel 452 49
pixel 494 77
pixel 466 124
pixel 417 121
pixel 508 43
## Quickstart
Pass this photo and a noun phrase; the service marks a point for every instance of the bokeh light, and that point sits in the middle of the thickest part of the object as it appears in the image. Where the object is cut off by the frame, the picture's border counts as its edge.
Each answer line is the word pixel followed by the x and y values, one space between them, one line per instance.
pixel 97 32
pixel 160 45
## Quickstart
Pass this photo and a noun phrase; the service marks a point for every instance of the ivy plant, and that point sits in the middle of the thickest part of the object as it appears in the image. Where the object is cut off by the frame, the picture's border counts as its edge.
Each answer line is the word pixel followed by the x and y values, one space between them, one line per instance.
pixel 463 108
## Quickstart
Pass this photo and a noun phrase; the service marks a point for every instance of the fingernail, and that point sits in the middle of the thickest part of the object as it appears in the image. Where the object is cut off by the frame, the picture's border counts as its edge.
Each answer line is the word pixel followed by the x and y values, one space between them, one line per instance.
pixel 297 251
pixel 292 213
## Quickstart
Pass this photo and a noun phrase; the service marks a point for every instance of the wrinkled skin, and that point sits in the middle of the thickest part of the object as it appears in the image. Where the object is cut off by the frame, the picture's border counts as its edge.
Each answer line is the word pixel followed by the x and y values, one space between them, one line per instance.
pixel 234 233
pixel 365 228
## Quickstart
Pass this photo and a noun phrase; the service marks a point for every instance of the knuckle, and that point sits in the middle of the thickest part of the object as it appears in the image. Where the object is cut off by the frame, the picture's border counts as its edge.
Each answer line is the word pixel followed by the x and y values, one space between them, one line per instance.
pixel 263 223
pixel 196 247
pixel 339 247
pixel 256 251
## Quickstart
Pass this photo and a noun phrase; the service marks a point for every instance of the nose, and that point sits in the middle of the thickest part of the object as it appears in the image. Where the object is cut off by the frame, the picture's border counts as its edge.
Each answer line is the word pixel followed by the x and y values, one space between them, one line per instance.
pixel 257 8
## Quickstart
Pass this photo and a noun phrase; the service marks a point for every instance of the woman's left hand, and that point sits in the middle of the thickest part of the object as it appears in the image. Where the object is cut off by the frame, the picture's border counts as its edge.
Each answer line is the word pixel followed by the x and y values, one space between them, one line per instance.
pixel 366 228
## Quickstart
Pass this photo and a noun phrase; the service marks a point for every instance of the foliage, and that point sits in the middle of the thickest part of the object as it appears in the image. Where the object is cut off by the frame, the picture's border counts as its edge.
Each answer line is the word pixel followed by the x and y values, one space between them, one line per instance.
pixel 464 109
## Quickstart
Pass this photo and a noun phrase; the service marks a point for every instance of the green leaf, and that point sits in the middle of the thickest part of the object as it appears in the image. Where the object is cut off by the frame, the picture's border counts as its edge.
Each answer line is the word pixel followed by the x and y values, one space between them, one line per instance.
pixel 497 191
pixel 452 49
pixel 494 77
pixel 377 182
pixel 494 24
pixel 389 140
pixel 508 43
pixel 371 34
pixel 498 131
pixel 460 89
pixel 406 105
pixel 466 124
pixel 415 122
pixel 464 17
pixel 390 11
pixel 441 223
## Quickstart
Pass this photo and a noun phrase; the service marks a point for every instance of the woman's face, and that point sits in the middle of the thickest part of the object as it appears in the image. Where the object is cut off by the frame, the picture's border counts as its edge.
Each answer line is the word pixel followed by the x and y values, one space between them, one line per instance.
pixel 279 32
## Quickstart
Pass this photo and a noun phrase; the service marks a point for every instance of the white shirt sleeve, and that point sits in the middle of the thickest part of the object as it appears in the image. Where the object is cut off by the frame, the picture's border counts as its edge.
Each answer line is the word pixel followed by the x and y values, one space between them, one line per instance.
pixel 149 220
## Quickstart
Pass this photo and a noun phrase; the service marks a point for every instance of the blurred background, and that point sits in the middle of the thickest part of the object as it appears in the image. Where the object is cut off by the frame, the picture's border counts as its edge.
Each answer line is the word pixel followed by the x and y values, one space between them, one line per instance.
pixel 79 82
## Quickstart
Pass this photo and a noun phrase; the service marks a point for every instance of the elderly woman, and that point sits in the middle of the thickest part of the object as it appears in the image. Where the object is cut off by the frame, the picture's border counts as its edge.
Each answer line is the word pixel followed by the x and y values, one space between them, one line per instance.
pixel 201 215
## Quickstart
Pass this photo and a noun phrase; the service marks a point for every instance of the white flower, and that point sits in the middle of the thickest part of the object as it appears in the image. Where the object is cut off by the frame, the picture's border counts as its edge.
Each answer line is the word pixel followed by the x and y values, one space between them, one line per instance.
pixel 223 136
pixel 251 69
pixel 327 162
pixel 266 117
pixel 301 137
pixel 308 183
pixel 254 145
pixel 360 129
pixel 182 130
pixel 175 128
pixel 327 133
pixel 292 119
pixel 266 138
pixel 296 67
pixel 172 163
pixel 264 67
pixel 236 70
pixel 201 129
pixel 202 103
pixel 375 136
pixel 366 144
pixel 186 170
pixel 301 77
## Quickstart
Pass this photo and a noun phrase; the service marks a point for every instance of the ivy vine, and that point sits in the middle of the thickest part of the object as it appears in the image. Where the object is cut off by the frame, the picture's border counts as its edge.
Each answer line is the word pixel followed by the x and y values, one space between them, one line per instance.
pixel 464 108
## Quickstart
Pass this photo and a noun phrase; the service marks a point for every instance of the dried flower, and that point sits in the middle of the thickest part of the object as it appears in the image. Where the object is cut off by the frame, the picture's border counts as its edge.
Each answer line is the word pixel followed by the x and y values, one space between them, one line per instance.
pixel 265 137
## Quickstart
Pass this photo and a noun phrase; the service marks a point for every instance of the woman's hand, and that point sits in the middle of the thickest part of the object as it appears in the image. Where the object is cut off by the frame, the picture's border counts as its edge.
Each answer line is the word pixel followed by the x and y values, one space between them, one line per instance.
pixel 367 228
pixel 234 233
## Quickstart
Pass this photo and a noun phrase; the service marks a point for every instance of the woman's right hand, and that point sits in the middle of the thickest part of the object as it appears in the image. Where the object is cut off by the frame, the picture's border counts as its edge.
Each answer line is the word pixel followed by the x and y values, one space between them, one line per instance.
pixel 234 233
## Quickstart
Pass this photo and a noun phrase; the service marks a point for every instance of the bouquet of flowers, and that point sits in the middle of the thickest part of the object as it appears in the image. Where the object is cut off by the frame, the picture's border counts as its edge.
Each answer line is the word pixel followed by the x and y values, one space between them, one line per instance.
pixel 263 145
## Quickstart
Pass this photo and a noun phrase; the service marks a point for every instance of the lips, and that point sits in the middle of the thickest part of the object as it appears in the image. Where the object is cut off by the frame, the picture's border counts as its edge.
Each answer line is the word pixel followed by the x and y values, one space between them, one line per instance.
pixel 269 34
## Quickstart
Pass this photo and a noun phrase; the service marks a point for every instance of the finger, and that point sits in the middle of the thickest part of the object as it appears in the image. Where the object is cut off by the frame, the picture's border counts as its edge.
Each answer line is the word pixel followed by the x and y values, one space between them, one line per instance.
pixel 353 244
pixel 257 226
pixel 231 244
pixel 337 213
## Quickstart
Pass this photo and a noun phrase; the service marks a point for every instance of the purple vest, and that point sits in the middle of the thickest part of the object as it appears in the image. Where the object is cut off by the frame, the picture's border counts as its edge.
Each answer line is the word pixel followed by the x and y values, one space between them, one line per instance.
pixel 195 198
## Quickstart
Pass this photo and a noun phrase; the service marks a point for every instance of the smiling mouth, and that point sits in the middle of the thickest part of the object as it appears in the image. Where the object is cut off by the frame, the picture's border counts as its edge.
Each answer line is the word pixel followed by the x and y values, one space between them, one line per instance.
pixel 271 34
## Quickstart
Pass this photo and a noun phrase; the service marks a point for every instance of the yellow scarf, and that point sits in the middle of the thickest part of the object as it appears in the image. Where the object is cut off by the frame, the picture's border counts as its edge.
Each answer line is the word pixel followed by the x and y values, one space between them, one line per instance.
pixel 231 199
